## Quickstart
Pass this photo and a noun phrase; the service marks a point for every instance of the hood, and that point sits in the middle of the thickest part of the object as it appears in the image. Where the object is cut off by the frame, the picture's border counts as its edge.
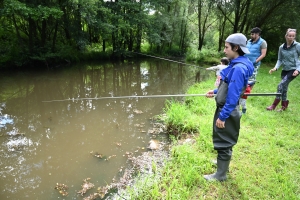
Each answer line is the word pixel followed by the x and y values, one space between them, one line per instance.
pixel 245 61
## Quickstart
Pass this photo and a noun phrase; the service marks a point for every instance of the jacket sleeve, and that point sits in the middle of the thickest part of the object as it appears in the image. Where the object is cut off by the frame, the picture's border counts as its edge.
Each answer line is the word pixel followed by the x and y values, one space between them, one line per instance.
pixel 297 59
pixel 214 68
pixel 279 62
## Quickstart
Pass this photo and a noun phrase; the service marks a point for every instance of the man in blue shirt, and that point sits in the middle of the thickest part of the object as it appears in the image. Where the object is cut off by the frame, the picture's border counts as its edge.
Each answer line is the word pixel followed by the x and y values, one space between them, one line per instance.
pixel 257 47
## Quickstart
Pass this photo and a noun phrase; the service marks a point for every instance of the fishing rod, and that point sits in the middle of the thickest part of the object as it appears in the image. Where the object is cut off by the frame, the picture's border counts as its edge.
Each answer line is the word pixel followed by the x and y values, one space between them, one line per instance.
pixel 169 60
pixel 155 96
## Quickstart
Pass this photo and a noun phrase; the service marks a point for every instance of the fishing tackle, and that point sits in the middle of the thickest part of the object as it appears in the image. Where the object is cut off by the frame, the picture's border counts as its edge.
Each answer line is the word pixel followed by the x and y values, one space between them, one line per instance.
pixel 156 96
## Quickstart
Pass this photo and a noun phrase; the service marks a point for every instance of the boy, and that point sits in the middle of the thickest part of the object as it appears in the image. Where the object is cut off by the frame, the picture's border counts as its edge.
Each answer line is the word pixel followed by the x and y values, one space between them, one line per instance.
pixel 227 117
pixel 223 64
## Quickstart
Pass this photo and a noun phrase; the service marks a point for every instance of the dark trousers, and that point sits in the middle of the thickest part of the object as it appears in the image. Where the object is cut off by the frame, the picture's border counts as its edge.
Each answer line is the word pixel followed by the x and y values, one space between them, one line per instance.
pixel 225 138
pixel 286 78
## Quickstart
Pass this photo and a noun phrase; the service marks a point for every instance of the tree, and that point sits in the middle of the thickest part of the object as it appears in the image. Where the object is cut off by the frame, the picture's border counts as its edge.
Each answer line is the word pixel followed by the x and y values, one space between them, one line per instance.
pixel 46 31
pixel 205 20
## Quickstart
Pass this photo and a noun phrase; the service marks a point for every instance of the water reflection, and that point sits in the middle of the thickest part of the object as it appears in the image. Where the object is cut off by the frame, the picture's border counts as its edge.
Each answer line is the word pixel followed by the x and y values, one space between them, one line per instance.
pixel 45 143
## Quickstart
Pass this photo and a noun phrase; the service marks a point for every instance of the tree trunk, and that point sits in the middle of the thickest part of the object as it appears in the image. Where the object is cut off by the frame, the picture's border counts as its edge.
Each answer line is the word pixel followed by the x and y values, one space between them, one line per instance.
pixel 130 42
pixel 43 33
pixel 17 28
pixel 31 35
pixel 66 24
pixel 54 36
pixel 103 45
pixel 221 33
pixel 199 25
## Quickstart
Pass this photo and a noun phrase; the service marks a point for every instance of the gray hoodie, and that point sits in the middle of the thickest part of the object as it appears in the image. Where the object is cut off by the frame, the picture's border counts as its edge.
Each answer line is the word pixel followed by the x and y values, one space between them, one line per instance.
pixel 289 57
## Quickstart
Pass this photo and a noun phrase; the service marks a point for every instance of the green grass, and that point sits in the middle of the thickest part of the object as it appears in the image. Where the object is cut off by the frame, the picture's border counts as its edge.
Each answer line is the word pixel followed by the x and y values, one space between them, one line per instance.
pixel 265 162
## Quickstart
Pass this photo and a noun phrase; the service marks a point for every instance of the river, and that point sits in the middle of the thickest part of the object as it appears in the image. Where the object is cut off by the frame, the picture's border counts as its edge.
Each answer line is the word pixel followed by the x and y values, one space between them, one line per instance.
pixel 55 128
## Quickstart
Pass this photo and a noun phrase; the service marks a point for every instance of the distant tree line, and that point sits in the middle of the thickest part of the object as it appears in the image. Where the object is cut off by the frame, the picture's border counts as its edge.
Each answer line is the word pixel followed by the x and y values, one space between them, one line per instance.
pixel 61 30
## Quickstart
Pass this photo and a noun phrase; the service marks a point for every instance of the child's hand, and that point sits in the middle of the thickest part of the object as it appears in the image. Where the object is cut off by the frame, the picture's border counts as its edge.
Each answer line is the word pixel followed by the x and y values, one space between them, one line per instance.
pixel 210 94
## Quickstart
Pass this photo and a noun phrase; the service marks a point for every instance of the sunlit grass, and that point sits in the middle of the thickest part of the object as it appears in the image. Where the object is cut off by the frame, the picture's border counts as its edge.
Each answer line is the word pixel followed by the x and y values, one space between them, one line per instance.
pixel 265 162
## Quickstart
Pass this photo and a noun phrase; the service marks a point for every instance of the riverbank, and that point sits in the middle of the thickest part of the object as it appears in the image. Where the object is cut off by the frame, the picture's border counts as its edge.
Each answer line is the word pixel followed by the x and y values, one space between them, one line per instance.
pixel 265 163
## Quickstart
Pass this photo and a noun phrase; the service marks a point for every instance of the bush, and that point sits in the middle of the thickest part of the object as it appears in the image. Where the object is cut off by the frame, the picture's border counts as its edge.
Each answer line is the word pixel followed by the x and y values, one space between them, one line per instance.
pixel 207 56
pixel 271 57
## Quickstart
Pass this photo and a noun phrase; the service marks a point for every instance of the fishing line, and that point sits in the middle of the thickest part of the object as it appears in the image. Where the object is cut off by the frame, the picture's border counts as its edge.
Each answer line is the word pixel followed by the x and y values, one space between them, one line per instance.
pixel 155 96
pixel 169 60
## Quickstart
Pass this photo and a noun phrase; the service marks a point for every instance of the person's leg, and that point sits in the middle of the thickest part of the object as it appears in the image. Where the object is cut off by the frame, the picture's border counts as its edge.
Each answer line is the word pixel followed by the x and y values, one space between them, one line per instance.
pixel 279 90
pixel 243 105
pixel 224 139
pixel 284 84
pixel 255 72
pixel 223 161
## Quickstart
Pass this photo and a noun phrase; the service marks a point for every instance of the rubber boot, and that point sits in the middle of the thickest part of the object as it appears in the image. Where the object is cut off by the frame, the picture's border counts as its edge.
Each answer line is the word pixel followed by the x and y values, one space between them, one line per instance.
pixel 220 175
pixel 215 163
pixel 284 105
pixel 244 110
pixel 273 106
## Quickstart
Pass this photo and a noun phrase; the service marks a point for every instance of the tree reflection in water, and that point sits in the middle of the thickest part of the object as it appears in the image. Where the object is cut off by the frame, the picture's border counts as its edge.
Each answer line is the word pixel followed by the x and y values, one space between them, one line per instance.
pixel 48 143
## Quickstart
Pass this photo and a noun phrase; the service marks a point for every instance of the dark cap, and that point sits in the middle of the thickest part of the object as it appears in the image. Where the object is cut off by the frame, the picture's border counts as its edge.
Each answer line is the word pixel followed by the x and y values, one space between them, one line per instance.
pixel 256 30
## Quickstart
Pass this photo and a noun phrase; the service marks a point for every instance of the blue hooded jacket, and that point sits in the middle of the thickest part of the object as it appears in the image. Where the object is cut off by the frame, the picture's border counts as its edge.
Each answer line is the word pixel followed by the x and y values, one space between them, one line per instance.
pixel 238 72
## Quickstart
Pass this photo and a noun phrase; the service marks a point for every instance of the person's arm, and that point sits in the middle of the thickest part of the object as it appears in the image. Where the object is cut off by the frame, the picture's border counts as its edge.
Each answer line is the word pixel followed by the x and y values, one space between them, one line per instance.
pixel 262 55
pixel 297 59
pixel 263 51
pixel 278 63
pixel 214 68
pixel 210 94
pixel 297 71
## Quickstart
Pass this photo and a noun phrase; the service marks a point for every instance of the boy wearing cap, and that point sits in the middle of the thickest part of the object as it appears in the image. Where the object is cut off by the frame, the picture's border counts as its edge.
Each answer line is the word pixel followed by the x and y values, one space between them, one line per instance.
pixel 226 123
pixel 258 50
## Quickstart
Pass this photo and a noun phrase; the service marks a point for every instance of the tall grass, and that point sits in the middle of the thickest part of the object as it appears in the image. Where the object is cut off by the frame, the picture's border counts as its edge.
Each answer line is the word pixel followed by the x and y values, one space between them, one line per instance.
pixel 266 159
pixel 179 119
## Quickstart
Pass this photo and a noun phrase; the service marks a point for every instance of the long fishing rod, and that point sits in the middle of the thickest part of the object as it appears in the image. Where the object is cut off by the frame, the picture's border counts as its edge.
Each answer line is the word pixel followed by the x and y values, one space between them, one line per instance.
pixel 168 60
pixel 155 96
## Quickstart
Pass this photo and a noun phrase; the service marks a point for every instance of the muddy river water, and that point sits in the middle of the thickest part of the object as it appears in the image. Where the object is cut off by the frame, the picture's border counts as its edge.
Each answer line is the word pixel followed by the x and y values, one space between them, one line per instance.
pixel 53 129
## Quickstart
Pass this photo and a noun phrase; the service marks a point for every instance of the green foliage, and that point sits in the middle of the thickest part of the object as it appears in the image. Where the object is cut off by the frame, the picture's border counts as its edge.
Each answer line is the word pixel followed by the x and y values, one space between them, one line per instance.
pixel 146 47
pixel 175 51
pixel 208 56
pixel 36 13
pixel 271 57
pixel 174 28
pixel 95 55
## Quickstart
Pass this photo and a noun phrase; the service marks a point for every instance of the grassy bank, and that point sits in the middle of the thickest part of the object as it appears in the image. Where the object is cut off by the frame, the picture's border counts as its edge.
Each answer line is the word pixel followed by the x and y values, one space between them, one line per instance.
pixel 266 159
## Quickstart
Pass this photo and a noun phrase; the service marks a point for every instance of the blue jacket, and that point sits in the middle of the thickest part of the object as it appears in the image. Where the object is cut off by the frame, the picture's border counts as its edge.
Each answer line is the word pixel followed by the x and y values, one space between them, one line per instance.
pixel 236 75
pixel 255 51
